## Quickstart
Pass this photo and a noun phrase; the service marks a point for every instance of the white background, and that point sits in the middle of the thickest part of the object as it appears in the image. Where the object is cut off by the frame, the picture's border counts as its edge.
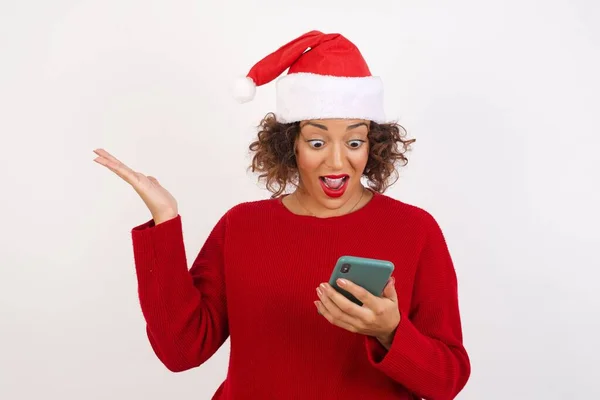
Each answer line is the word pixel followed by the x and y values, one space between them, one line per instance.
pixel 502 98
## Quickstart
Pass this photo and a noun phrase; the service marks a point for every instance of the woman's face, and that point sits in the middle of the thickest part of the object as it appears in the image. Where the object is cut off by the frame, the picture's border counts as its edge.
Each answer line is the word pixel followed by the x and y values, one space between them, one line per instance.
pixel 331 155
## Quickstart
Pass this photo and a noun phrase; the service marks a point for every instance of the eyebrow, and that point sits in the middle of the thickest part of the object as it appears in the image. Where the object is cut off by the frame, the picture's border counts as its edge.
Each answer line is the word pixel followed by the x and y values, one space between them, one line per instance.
pixel 349 127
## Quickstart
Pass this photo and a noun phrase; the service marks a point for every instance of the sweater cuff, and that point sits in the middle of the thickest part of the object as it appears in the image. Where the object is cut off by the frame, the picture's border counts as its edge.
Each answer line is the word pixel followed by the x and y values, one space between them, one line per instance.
pixel 155 245
pixel 399 360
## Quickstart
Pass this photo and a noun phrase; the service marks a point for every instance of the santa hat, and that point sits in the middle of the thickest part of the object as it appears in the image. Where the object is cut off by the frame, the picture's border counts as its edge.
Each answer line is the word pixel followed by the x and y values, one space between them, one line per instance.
pixel 327 78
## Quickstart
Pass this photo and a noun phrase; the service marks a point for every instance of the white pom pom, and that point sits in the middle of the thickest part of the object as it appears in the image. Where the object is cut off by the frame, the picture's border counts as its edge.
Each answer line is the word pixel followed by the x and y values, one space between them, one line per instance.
pixel 244 89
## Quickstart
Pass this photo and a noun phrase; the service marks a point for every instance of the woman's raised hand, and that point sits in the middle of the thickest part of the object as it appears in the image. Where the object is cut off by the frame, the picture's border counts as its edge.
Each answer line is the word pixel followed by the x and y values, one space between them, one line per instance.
pixel 160 202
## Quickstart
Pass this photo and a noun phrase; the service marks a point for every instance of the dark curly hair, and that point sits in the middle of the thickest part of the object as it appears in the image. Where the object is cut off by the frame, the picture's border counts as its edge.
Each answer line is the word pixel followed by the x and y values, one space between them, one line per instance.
pixel 275 159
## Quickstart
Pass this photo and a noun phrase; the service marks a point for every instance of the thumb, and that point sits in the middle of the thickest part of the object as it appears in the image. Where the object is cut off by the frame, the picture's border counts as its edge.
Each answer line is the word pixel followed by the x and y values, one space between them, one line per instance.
pixel 390 290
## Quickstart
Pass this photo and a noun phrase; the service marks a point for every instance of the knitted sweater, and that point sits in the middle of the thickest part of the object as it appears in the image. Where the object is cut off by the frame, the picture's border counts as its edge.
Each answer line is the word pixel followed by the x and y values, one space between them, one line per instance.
pixel 254 281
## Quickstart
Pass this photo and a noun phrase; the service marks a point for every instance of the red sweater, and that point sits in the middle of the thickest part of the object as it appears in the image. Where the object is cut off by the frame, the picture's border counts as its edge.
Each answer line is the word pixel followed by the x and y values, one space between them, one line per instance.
pixel 254 281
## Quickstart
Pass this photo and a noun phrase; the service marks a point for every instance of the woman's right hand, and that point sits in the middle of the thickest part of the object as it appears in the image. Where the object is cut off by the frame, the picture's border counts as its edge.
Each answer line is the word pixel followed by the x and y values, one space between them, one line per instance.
pixel 160 202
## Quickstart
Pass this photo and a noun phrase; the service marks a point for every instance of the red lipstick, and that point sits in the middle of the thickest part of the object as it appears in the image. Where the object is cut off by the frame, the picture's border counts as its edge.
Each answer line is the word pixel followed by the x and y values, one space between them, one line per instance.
pixel 331 192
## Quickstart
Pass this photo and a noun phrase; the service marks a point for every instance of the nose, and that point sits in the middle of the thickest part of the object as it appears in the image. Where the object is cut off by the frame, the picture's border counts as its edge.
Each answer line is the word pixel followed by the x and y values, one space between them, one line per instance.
pixel 336 157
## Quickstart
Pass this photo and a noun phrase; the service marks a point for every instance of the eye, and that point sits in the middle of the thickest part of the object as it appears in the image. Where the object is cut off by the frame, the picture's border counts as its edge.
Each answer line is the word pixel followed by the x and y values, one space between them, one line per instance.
pixel 315 143
pixel 355 144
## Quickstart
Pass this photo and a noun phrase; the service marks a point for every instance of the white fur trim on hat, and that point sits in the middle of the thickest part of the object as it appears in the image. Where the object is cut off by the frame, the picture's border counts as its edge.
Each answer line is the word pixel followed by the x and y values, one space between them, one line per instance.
pixel 302 96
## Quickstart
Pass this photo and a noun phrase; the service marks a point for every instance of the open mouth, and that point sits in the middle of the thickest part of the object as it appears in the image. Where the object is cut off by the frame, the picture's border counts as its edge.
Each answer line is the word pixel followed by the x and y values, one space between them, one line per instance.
pixel 334 185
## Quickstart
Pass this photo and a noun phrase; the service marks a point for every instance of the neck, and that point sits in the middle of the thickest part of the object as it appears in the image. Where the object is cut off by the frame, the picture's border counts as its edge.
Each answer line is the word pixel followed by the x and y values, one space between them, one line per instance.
pixel 311 207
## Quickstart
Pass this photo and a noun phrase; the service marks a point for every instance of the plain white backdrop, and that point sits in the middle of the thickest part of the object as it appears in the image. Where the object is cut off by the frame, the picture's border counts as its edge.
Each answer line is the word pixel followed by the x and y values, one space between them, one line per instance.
pixel 502 98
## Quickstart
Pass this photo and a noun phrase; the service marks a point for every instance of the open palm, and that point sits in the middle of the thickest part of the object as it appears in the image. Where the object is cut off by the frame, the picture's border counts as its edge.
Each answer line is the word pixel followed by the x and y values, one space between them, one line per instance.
pixel 160 202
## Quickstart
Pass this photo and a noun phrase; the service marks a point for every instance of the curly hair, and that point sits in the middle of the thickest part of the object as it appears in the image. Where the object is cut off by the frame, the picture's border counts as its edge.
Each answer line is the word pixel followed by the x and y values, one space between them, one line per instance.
pixel 275 159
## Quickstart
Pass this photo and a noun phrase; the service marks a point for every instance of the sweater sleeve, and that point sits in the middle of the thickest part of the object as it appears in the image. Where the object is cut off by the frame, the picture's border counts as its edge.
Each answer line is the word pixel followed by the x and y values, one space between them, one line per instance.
pixel 427 356
pixel 185 310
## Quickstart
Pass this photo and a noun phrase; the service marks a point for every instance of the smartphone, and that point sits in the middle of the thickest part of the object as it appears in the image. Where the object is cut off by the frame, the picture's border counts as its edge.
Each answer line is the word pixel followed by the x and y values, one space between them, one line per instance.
pixel 369 273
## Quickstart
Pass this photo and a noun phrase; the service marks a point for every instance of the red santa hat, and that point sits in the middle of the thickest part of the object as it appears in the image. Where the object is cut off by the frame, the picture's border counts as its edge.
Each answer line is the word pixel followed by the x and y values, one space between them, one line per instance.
pixel 327 78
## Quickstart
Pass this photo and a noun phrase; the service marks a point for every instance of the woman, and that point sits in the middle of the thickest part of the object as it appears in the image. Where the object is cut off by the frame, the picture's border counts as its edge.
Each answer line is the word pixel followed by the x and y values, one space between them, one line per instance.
pixel 261 276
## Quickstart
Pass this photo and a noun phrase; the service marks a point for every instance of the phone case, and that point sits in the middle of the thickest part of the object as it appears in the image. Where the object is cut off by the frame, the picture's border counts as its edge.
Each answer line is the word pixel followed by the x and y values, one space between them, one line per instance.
pixel 369 273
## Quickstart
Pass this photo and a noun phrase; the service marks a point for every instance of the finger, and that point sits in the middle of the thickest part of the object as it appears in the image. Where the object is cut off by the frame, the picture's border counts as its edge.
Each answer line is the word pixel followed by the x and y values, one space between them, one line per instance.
pixel 112 160
pixel 107 155
pixel 124 173
pixel 333 320
pixel 116 166
pixel 332 309
pixel 390 290
pixel 357 291
pixel 340 307
pixel 107 163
